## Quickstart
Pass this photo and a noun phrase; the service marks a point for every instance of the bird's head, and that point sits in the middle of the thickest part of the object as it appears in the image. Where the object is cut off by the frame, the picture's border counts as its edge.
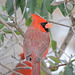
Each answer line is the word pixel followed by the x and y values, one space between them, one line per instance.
pixel 40 22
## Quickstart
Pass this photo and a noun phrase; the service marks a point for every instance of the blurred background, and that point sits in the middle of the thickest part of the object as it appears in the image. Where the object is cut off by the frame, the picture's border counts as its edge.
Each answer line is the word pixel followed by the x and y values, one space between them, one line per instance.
pixel 10 47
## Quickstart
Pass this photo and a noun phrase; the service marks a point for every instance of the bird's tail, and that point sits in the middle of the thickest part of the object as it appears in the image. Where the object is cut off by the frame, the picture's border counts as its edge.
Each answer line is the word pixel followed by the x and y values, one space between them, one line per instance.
pixel 36 69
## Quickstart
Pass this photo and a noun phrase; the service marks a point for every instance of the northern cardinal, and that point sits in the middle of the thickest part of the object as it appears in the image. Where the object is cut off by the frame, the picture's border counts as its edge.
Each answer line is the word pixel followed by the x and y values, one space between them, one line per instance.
pixel 23 71
pixel 36 42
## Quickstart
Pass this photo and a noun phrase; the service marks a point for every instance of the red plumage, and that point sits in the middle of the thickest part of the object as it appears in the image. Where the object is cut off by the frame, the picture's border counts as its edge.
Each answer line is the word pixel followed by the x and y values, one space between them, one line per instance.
pixel 36 43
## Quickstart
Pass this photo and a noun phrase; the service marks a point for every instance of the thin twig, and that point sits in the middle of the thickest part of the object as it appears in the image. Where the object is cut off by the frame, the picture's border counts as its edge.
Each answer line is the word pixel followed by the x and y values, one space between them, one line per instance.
pixel 21 62
pixel 10 69
pixel 57 66
pixel 60 24
pixel 44 69
pixel 12 32
pixel 68 37
pixel 24 11
pixel 14 3
pixel 24 8
pixel 66 9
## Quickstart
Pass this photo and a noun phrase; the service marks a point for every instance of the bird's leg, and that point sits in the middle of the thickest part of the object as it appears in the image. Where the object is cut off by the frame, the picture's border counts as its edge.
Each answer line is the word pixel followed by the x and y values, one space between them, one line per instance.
pixel 38 59
pixel 28 58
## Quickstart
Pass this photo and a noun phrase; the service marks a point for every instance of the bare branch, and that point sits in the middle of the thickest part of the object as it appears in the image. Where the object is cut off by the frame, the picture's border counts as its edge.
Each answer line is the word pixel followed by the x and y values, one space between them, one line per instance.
pixel 68 37
pixel 60 24
pixel 24 11
pixel 21 62
pixel 3 22
pixel 10 69
pixel 57 66
pixel 15 11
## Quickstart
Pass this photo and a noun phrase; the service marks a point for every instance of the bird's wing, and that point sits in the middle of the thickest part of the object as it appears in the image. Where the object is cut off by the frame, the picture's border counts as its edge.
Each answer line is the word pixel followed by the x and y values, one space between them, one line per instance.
pixel 36 42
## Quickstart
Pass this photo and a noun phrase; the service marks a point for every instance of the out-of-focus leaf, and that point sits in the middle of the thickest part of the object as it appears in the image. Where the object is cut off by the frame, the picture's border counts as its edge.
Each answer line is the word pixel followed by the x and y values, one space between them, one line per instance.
pixel 31 7
pixel 17 32
pixel 1 37
pixel 60 73
pixel 4 17
pixel 64 61
pixel 51 63
pixel 62 9
pixel 55 59
pixel 55 2
pixel 1 26
pixel 28 22
pixel 54 44
pixel 9 6
pixel 39 2
pixel 43 73
pixel 69 5
pixel 44 11
pixel 6 30
pixel 69 69
pixel 3 8
pixel 50 38
pixel 49 7
pixel 73 60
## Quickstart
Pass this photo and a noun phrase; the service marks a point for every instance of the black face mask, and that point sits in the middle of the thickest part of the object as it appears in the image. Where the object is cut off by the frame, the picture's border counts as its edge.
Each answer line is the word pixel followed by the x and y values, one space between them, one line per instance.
pixel 43 25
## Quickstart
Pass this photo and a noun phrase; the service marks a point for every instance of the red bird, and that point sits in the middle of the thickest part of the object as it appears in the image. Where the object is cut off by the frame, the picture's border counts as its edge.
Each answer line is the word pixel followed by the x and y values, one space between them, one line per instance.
pixel 36 42
pixel 23 71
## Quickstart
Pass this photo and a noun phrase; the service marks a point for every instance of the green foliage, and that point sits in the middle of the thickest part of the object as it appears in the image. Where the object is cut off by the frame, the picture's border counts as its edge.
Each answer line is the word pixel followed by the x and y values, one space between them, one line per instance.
pixel 5 18
pixel 40 6
pixel 55 59
pixel 28 22
pixel 49 7
pixel 1 37
pixel 60 73
pixel 42 72
pixel 51 65
pixel 62 9
pixel 9 6
pixel 3 8
pixel 54 44
pixel 6 30
pixel 39 2
pixel 1 26
pixel 31 7
pixel 69 69
pixel 17 32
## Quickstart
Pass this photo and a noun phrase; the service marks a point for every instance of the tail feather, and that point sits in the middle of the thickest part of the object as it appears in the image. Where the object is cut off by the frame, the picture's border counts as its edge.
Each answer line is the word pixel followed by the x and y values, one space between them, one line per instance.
pixel 36 69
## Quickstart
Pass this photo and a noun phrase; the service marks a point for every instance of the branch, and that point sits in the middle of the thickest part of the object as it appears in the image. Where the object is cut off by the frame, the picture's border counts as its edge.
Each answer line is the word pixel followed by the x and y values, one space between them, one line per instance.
pixel 3 22
pixel 60 24
pixel 26 1
pixel 21 62
pixel 57 66
pixel 14 25
pixel 45 68
pixel 15 11
pixel 68 37
pixel 46 71
pixel 10 69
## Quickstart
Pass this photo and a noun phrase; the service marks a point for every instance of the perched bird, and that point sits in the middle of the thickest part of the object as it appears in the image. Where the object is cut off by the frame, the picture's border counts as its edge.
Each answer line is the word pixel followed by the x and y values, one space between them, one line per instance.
pixel 23 71
pixel 36 42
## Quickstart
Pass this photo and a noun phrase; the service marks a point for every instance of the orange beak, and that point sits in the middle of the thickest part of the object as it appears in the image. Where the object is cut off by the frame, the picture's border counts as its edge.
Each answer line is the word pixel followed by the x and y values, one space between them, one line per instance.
pixel 48 25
